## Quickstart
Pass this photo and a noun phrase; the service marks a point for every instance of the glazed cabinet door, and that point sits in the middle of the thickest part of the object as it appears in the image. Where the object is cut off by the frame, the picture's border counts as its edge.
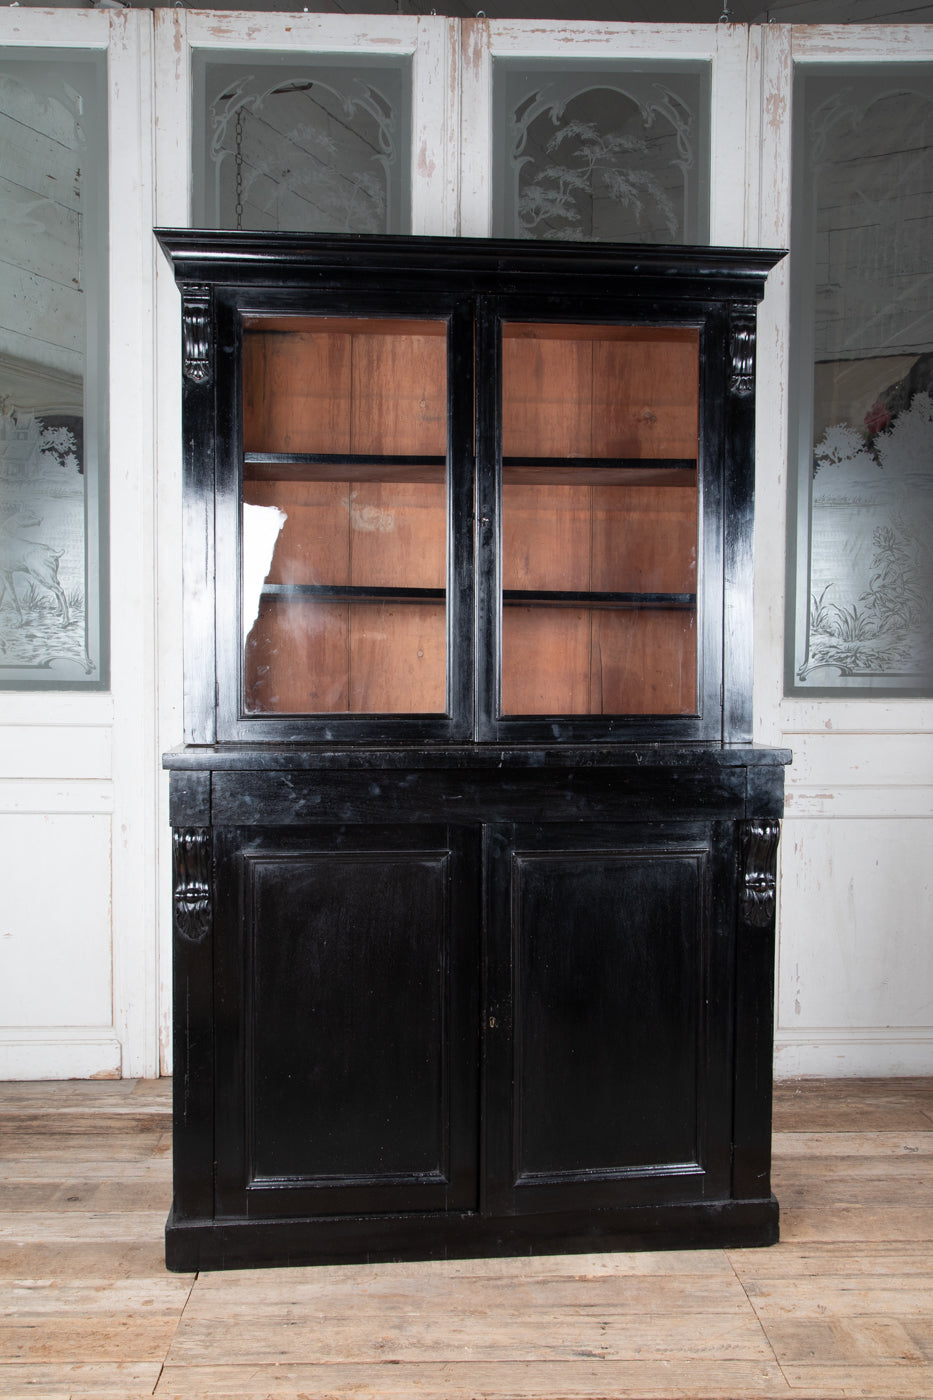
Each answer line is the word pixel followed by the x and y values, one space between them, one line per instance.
pixel 608 1048
pixel 346 1013
pixel 344 505
pixel 600 485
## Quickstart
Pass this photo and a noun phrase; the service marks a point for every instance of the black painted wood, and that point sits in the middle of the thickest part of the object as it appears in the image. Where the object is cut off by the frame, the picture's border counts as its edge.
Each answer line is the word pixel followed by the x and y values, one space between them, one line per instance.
pixel 469 983
pixel 353 953
pixel 604 1042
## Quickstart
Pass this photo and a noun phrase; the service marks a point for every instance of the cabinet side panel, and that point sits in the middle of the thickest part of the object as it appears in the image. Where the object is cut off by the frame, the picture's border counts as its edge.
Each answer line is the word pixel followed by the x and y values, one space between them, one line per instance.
pixel 198 440
pixel 193 1082
pixel 757 846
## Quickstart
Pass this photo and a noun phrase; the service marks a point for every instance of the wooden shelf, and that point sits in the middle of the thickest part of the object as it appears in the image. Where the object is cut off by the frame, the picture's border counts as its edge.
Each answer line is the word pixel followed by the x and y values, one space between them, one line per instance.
pixel 516 471
pixel 334 466
pixel 348 593
pixel 555 598
pixel 511 597
pixel 599 471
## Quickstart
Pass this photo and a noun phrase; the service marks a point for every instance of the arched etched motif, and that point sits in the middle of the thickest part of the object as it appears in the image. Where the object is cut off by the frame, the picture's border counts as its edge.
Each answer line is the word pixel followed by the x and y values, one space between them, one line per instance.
pixel 600 154
pixel 305 147
pixel 758 889
pixel 196 333
pixel 191 882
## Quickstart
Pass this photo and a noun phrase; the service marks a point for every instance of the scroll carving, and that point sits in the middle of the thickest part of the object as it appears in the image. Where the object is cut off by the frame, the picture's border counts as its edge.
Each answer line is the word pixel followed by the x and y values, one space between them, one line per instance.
pixel 191 868
pixel 196 333
pixel 742 380
pixel 758 888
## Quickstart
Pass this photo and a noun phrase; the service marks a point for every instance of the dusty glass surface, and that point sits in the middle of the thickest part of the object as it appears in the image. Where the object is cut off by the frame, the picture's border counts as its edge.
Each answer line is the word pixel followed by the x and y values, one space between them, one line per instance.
pixel 53 362
pixel 599 519
pixel 860 557
pixel 617 153
pixel 344 516
pixel 320 144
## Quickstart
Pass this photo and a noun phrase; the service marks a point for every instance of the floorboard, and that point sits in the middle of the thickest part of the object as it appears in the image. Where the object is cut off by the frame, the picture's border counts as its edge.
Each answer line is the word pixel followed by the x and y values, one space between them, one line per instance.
pixel 842 1307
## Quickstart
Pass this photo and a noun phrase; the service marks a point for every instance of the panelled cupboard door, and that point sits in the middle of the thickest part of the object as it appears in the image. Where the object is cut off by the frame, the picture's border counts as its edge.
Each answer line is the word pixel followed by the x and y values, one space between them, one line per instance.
pixel 346 1012
pixel 608 1051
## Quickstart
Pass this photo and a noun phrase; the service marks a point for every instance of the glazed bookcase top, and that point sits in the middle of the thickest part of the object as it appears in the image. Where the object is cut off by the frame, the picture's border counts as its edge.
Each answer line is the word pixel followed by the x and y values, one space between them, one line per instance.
pixel 442 491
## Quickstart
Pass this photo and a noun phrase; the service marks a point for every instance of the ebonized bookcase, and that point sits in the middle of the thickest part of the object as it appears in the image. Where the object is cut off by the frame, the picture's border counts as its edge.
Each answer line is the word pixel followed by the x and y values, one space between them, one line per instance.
pixel 474 857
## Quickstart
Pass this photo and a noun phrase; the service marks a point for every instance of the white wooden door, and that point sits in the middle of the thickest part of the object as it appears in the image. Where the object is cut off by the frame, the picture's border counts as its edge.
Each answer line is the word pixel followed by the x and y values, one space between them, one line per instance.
pixel 78 957
pixel 855 965
pixel 85 939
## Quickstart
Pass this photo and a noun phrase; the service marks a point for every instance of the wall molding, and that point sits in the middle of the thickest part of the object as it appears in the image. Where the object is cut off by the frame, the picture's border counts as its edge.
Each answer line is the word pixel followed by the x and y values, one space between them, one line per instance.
pixel 862 1051
pixel 60 1052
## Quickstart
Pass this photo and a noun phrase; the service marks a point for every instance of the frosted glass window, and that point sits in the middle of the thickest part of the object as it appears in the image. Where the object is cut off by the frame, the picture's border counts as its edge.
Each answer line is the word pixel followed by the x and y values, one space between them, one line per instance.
pixel 860 553
pixel 286 145
pixel 608 153
pixel 53 362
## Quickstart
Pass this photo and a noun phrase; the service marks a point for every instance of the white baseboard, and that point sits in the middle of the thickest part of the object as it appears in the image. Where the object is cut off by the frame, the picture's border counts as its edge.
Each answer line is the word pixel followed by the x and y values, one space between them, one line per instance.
pixel 872 1053
pixel 60 1052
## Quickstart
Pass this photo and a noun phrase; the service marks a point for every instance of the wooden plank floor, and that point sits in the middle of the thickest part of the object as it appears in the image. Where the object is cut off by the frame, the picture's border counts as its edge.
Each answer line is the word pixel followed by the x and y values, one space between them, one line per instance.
pixel 842 1307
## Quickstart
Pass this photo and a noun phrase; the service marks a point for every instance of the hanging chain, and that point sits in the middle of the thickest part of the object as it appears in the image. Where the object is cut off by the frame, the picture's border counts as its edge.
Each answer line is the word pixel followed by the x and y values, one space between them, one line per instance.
pixel 239 168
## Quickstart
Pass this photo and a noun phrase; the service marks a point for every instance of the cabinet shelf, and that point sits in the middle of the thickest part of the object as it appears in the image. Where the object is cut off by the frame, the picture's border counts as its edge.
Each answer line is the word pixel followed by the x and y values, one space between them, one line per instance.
pixel 342 466
pixel 511 597
pixel 557 598
pixel 519 471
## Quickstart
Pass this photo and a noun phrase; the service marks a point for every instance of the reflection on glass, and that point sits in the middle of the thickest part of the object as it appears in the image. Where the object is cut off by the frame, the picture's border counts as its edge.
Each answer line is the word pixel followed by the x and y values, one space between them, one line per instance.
pixel 344 518
pixel 301 146
pixel 599 519
pixel 862 424
pixel 53 189
pixel 601 152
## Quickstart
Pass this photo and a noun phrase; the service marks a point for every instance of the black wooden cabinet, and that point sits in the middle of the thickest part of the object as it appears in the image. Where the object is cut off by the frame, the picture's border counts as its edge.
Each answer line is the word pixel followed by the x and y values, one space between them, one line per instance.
pixel 474 858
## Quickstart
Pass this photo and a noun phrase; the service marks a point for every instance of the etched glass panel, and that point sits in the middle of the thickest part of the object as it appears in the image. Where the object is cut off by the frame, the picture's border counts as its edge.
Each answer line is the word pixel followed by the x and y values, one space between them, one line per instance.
pixel 301 146
pixel 860 552
pixel 53 317
pixel 607 153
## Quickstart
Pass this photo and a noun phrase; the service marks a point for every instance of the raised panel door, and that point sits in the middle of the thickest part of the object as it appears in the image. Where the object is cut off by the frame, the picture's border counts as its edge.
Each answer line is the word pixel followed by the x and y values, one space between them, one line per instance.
pixel 347 1017
pixel 609 1016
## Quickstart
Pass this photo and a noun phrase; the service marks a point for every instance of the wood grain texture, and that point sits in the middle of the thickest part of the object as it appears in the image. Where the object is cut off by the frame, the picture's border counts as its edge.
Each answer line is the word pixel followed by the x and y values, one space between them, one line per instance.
pixel 842 1307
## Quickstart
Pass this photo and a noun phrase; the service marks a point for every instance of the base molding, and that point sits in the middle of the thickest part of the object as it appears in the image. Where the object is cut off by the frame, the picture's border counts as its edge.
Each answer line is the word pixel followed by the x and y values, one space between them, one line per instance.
pixel 870 1053
pixel 60 1052
pixel 195 1245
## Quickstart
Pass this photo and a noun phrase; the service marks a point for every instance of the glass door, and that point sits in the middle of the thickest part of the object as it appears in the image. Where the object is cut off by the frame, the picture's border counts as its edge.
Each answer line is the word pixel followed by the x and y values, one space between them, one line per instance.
pixel 354 555
pixel 599 520
pixel 344 516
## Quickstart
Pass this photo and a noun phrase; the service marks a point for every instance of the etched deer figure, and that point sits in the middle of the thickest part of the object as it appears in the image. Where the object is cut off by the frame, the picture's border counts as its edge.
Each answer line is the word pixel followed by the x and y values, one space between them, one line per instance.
pixel 20 555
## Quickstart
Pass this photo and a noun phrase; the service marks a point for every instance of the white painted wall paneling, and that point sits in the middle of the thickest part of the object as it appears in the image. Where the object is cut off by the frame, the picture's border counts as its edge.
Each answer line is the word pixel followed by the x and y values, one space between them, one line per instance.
pixel 723 47
pixel 855 973
pixel 77 798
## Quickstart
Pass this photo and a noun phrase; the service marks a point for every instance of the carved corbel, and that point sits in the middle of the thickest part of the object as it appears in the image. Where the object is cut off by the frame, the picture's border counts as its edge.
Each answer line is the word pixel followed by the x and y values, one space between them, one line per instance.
pixel 196 333
pixel 742 347
pixel 758 882
pixel 191 870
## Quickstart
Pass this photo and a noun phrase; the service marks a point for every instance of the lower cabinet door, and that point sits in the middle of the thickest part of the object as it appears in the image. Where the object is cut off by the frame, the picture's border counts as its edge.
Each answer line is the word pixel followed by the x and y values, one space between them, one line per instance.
pixel 608 1044
pixel 347 1020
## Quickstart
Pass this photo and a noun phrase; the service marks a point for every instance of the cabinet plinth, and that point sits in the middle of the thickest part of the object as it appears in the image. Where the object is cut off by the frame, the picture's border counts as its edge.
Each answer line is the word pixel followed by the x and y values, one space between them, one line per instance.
pixel 474 879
